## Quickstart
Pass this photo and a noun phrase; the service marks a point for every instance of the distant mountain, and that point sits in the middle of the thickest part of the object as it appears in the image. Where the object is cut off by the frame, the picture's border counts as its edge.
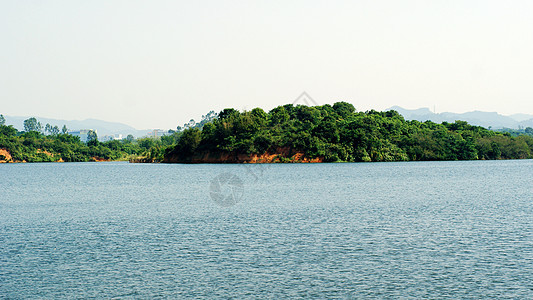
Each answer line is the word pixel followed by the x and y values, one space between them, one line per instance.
pixel 522 117
pixel 101 127
pixel 479 118
pixel 527 123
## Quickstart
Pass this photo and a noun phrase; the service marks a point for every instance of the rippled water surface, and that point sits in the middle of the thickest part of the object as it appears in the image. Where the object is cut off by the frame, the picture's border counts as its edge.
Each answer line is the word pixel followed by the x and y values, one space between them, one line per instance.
pixel 417 229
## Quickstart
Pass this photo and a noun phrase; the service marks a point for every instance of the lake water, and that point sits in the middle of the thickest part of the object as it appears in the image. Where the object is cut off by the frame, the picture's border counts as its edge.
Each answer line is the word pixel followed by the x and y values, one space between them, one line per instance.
pixel 385 230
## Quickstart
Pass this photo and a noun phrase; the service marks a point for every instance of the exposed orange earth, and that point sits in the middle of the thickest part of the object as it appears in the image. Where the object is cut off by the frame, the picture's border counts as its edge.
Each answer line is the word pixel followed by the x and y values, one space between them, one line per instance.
pixel 281 155
pixel 9 158
pixel 6 154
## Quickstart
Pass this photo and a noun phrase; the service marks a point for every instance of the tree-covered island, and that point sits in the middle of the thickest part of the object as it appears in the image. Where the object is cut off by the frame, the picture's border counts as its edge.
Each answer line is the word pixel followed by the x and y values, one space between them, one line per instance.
pixel 337 133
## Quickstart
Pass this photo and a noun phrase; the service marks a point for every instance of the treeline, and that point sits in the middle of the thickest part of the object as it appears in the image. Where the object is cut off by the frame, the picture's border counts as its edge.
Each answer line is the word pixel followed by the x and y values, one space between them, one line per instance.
pixel 32 124
pixel 48 143
pixel 517 132
pixel 34 146
pixel 337 133
pixel 332 133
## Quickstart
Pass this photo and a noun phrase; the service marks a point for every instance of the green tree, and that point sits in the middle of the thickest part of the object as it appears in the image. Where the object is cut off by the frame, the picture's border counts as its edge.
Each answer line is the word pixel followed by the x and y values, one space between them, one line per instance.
pixel 31 124
pixel 228 114
pixel 54 130
pixel 344 109
pixel 92 136
pixel 209 117
pixel 8 131
pixel 189 141
pixel 147 143
pixel 2 120
pixel 47 128
pixel 64 130
pixel 279 115
pixel 93 143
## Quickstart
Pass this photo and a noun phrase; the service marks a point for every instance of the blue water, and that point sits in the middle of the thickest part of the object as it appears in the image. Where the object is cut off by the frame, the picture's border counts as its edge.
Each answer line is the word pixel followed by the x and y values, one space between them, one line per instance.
pixel 384 230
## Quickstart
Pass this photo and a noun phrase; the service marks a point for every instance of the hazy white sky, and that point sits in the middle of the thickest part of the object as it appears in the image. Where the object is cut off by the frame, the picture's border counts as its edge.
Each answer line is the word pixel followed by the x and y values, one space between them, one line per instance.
pixel 156 64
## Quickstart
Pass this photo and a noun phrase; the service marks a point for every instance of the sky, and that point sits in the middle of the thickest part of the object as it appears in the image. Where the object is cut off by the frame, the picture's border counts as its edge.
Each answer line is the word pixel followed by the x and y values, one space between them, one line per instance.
pixel 157 64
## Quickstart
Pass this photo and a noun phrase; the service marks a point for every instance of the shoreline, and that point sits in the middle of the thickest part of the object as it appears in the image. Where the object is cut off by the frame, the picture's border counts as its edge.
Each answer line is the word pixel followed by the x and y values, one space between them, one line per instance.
pixel 254 163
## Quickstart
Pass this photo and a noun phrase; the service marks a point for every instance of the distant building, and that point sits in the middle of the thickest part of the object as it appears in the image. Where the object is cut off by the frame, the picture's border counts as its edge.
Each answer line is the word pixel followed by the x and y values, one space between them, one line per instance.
pixel 82 134
pixel 112 137
pixel 158 133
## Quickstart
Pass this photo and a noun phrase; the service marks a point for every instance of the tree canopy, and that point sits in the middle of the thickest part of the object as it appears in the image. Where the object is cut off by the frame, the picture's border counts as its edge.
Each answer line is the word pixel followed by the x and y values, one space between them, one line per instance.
pixel 339 133
pixel 34 146
pixel 330 133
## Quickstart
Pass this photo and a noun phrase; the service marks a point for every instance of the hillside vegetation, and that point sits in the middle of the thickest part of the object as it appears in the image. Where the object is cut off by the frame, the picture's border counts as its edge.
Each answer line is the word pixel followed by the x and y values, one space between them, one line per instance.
pixel 338 134
pixel 328 133
pixel 34 146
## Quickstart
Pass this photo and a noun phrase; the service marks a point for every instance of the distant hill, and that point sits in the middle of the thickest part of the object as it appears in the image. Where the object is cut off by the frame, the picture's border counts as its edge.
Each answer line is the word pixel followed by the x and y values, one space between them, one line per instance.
pixel 479 118
pixel 102 127
pixel 522 117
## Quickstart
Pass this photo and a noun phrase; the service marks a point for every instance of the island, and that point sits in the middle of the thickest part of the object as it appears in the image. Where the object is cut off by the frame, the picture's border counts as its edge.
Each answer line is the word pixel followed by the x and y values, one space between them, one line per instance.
pixel 336 133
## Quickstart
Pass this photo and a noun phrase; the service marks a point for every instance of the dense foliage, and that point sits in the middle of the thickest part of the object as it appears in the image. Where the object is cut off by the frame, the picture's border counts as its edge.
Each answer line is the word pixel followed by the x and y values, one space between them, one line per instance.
pixel 34 146
pixel 517 132
pixel 329 132
pixel 339 133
